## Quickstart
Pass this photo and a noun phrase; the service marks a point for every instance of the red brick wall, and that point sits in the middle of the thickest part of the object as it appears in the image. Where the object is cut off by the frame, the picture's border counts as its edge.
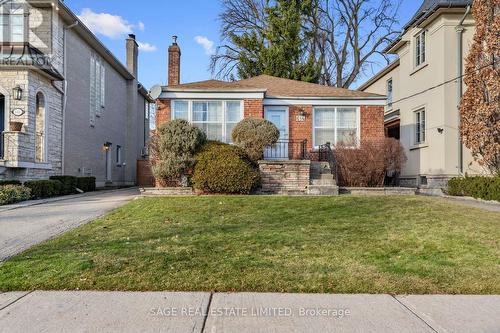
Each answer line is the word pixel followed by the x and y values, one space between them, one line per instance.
pixel 163 111
pixel 301 130
pixel 174 65
pixel 372 119
pixel 372 122
pixel 253 108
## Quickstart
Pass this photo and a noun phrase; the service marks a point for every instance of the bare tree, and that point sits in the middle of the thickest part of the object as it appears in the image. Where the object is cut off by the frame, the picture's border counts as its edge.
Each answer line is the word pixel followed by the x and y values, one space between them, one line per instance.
pixel 343 36
pixel 349 34
pixel 238 17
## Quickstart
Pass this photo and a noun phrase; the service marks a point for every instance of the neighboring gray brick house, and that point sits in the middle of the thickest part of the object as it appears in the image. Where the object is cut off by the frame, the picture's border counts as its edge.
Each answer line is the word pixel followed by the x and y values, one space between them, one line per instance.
pixel 82 112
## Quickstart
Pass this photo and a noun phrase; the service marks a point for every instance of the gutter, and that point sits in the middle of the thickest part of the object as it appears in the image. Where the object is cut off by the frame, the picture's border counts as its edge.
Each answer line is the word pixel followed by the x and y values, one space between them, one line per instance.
pixel 65 92
pixel 460 29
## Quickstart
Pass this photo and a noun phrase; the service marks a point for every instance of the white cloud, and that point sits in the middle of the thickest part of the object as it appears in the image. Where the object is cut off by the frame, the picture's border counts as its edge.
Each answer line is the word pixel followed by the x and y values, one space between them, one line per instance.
pixel 146 47
pixel 207 44
pixel 109 25
pixel 112 26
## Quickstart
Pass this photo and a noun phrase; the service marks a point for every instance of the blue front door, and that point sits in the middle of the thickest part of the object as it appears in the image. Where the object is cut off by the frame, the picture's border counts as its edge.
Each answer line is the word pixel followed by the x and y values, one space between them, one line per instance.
pixel 279 117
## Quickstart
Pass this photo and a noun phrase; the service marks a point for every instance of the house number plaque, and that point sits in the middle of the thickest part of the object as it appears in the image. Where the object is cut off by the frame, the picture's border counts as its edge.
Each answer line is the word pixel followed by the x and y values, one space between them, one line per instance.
pixel 18 112
pixel 300 118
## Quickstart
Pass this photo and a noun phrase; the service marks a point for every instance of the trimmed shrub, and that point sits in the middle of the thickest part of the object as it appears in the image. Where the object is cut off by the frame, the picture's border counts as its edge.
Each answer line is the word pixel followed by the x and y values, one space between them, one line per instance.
pixel 368 165
pixel 172 150
pixel 69 184
pixel 254 135
pixel 86 184
pixel 224 169
pixel 41 189
pixel 9 182
pixel 487 188
pixel 10 194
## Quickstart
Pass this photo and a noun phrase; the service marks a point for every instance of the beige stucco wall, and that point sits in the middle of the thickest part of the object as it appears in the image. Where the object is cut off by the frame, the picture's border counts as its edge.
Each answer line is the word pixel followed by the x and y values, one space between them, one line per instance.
pixel 438 157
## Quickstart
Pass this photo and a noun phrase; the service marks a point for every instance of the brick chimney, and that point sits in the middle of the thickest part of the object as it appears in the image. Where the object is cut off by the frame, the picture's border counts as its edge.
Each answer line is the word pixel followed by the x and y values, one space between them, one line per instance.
pixel 132 55
pixel 174 63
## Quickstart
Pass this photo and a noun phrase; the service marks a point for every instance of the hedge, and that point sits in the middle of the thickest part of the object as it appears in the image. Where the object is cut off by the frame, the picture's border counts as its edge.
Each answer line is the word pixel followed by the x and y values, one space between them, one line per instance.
pixel 86 184
pixel 9 182
pixel 224 169
pixel 41 189
pixel 69 184
pixel 487 188
pixel 10 194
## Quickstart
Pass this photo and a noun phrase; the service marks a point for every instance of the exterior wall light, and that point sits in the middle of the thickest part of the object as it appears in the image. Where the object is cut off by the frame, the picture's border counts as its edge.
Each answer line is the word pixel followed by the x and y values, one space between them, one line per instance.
pixel 106 146
pixel 17 93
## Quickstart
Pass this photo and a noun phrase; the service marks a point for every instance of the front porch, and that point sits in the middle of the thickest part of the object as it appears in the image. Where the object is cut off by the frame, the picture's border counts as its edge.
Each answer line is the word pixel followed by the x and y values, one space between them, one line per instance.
pixel 290 168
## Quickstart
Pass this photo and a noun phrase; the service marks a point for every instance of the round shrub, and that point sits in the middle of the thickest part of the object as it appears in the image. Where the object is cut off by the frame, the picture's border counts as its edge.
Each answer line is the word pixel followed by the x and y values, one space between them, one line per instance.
pixel 254 135
pixel 224 169
pixel 172 148
pixel 10 194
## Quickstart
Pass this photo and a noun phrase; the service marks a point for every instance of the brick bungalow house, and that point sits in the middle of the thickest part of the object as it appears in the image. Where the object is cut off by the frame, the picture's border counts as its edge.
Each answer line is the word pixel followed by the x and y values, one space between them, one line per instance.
pixel 307 115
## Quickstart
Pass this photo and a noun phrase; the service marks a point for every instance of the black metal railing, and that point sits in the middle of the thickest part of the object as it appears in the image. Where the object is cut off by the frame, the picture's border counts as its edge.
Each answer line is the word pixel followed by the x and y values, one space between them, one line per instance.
pixel 326 154
pixel 287 150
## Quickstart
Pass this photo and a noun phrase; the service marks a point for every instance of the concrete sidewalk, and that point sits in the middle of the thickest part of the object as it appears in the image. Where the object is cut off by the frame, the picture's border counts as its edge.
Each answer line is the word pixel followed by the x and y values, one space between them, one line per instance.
pixel 245 312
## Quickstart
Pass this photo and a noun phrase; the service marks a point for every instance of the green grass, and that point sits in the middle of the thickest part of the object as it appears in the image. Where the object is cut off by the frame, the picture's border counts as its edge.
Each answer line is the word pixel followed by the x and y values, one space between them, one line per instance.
pixel 279 244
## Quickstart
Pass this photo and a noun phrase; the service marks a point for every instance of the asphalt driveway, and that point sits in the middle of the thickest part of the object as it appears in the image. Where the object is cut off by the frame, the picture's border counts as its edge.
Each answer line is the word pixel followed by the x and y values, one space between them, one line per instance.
pixel 23 227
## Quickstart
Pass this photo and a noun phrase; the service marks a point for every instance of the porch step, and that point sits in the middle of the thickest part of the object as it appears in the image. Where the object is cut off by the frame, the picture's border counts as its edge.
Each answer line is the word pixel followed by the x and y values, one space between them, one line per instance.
pixel 323 190
pixel 322 181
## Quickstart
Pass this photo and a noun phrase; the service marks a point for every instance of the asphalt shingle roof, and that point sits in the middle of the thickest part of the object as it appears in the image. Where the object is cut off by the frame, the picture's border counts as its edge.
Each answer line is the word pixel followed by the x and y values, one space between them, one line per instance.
pixel 275 87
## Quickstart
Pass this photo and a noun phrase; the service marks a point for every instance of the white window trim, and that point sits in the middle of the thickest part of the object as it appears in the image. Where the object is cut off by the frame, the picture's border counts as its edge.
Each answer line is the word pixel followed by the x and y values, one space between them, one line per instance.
pixel 415 139
pixel 358 124
pixel 225 136
pixel 97 87
pixel 419 44
pixel 391 101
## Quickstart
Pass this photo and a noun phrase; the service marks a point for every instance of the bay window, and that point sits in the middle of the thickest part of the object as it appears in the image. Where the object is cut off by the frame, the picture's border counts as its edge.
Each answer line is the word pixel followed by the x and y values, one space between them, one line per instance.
pixel 336 125
pixel 216 118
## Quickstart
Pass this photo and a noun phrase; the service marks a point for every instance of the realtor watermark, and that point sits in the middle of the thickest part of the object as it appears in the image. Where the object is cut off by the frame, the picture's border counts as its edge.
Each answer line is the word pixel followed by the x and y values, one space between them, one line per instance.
pixel 256 312
pixel 26 32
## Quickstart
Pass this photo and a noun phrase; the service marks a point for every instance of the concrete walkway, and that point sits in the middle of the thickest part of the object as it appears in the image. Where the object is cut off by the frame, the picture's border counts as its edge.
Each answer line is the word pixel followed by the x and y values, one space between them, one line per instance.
pixel 28 225
pixel 245 312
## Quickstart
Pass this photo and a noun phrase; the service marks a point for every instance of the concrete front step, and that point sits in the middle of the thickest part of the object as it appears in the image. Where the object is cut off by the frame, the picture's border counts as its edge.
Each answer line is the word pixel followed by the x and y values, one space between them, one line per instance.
pixel 323 190
pixel 324 182
pixel 322 176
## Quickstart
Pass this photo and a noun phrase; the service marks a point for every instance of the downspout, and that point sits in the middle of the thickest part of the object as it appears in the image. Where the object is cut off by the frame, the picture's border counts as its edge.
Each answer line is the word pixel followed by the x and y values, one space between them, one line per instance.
pixel 65 93
pixel 460 29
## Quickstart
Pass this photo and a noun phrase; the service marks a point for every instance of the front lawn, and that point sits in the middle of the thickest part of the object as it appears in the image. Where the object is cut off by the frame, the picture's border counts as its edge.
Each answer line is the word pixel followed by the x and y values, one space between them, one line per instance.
pixel 273 244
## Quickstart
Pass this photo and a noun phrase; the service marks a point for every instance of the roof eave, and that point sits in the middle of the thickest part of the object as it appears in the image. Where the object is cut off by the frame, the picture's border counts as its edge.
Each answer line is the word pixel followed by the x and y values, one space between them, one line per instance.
pixel 90 38
pixel 212 90
pixel 329 98
pixel 380 74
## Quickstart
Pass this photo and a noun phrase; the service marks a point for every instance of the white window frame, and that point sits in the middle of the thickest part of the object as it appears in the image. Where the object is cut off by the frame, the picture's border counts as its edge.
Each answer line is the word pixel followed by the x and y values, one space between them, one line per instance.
pixel 390 93
pixel 358 124
pixel 420 48
pixel 420 126
pixel 226 137
pixel 97 87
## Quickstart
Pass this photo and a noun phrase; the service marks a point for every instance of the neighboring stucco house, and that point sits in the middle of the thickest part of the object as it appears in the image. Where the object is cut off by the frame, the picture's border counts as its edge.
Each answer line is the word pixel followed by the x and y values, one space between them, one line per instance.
pixel 83 113
pixel 424 90
pixel 303 112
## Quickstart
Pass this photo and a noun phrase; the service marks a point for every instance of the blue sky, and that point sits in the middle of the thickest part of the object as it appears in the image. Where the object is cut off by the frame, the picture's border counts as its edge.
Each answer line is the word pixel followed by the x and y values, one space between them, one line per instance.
pixel 155 21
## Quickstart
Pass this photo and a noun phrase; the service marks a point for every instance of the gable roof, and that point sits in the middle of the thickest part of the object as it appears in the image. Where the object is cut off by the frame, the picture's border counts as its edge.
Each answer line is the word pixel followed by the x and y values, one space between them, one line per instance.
pixel 274 87
pixel 427 8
